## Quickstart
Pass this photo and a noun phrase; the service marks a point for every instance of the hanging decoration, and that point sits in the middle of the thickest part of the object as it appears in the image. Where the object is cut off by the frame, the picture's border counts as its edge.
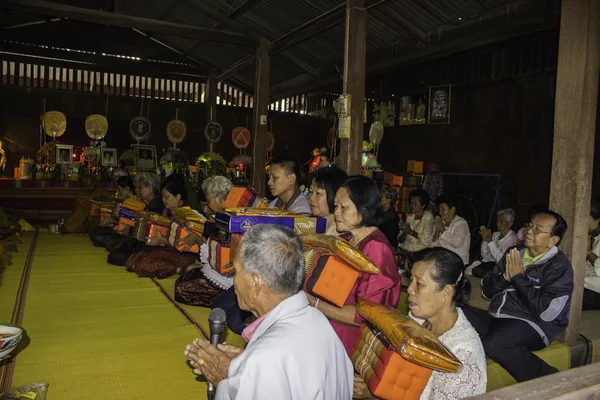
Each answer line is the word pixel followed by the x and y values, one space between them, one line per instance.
pixel 140 128
pixel 213 131
pixel 96 126
pixel 270 142
pixel 240 137
pixel 176 131
pixel 376 135
pixel 54 123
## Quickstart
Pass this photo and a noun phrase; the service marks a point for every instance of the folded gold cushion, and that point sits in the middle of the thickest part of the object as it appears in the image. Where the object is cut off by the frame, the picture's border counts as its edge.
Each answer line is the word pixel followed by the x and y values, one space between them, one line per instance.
pixel 342 249
pixel 412 341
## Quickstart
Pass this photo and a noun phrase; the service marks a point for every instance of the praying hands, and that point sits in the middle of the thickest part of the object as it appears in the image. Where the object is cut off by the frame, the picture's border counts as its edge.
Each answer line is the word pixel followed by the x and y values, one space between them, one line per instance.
pixel 514 265
pixel 210 361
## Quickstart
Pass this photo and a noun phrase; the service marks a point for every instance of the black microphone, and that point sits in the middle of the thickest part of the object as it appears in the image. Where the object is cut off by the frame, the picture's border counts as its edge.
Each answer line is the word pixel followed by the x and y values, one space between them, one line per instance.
pixel 216 323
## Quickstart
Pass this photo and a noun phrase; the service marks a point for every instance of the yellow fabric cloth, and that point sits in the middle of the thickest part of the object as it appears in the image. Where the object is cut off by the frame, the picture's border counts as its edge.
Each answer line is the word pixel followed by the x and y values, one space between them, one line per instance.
pixel 98 332
pixel 26 226
pixel 75 223
pixel 528 260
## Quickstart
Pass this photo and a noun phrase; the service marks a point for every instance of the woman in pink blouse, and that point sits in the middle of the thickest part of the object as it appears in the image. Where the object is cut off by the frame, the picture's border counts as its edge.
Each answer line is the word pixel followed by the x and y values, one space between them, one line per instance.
pixel 357 214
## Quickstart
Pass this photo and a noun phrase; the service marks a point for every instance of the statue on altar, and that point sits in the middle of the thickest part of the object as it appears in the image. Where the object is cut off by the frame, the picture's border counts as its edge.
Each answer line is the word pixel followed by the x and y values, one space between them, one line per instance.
pixel 2 159
pixel 410 111
pixel 420 111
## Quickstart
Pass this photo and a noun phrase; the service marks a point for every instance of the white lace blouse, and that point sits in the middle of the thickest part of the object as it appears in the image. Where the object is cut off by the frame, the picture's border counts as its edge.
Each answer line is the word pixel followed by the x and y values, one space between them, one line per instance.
pixel 457 238
pixel 465 344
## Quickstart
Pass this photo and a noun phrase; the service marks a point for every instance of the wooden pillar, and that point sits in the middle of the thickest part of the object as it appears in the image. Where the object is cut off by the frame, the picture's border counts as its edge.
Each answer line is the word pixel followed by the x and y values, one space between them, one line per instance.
pixel 574 130
pixel 261 104
pixel 354 84
pixel 210 98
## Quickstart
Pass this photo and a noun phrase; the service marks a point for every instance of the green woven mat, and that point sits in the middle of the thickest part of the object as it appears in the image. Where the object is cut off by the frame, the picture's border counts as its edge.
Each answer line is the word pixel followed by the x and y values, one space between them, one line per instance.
pixel 99 332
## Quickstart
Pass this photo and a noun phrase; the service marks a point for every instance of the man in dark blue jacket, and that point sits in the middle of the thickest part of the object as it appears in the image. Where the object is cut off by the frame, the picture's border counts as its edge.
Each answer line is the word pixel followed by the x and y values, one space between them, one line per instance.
pixel 530 291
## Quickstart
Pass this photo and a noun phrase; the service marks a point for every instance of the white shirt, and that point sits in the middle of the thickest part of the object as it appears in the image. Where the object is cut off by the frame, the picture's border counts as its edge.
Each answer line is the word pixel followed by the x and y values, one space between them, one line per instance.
pixel 425 227
pixel 464 342
pixel 494 250
pixel 592 272
pixel 457 238
pixel 294 355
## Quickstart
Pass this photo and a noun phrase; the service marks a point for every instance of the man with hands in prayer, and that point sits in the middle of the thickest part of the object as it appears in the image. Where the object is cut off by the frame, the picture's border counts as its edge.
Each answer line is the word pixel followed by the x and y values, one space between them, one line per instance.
pixel 530 290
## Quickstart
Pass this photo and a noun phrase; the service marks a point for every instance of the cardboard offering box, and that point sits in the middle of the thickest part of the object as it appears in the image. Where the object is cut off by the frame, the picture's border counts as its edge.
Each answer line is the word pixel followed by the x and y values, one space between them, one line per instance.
pixel 149 225
pixel 106 214
pixel 239 220
pixel 185 222
pixel 127 210
pixel 181 229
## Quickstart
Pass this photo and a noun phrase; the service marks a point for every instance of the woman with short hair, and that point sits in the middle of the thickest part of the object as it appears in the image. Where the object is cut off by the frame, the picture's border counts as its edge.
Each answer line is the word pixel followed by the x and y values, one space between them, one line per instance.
pixel 451 230
pixel 324 183
pixel 147 188
pixel 357 214
pixel 438 285
pixel 216 189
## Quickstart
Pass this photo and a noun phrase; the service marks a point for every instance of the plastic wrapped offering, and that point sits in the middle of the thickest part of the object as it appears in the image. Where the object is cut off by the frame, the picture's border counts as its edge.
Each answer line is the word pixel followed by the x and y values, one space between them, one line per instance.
pixel 412 341
pixel 342 249
pixel 35 391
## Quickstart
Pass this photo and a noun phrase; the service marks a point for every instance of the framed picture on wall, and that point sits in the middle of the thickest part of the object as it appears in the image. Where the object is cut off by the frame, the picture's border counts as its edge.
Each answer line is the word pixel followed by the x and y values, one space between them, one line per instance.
pixel 145 157
pixel 64 154
pixel 413 110
pixel 439 104
pixel 109 157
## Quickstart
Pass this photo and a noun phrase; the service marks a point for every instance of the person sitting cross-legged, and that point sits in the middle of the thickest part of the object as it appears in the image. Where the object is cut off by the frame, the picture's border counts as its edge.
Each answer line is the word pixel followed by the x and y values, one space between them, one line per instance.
pixel 530 289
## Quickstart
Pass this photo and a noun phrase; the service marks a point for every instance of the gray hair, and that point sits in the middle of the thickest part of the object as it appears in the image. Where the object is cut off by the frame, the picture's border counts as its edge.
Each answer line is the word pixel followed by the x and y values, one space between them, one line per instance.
pixel 148 179
pixel 217 186
pixel 508 214
pixel 274 253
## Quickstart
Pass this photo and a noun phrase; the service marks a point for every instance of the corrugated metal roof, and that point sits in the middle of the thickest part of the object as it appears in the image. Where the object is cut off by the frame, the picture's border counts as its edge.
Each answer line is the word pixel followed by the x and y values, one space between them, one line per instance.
pixel 391 22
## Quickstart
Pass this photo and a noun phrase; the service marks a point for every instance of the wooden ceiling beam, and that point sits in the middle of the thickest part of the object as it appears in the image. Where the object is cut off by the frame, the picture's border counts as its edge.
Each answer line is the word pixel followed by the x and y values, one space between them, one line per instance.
pixel 289 39
pixel 197 61
pixel 245 6
pixel 315 26
pixel 248 30
pixel 42 7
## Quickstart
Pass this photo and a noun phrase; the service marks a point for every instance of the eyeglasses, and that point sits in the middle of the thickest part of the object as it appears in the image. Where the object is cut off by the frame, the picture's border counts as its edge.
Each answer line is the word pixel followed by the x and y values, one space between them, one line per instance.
pixel 536 229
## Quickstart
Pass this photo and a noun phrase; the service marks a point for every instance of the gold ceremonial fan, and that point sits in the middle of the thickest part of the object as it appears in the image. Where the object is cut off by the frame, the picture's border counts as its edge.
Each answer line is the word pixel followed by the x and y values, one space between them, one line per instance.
pixel 96 126
pixel 176 131
pixel 54 123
